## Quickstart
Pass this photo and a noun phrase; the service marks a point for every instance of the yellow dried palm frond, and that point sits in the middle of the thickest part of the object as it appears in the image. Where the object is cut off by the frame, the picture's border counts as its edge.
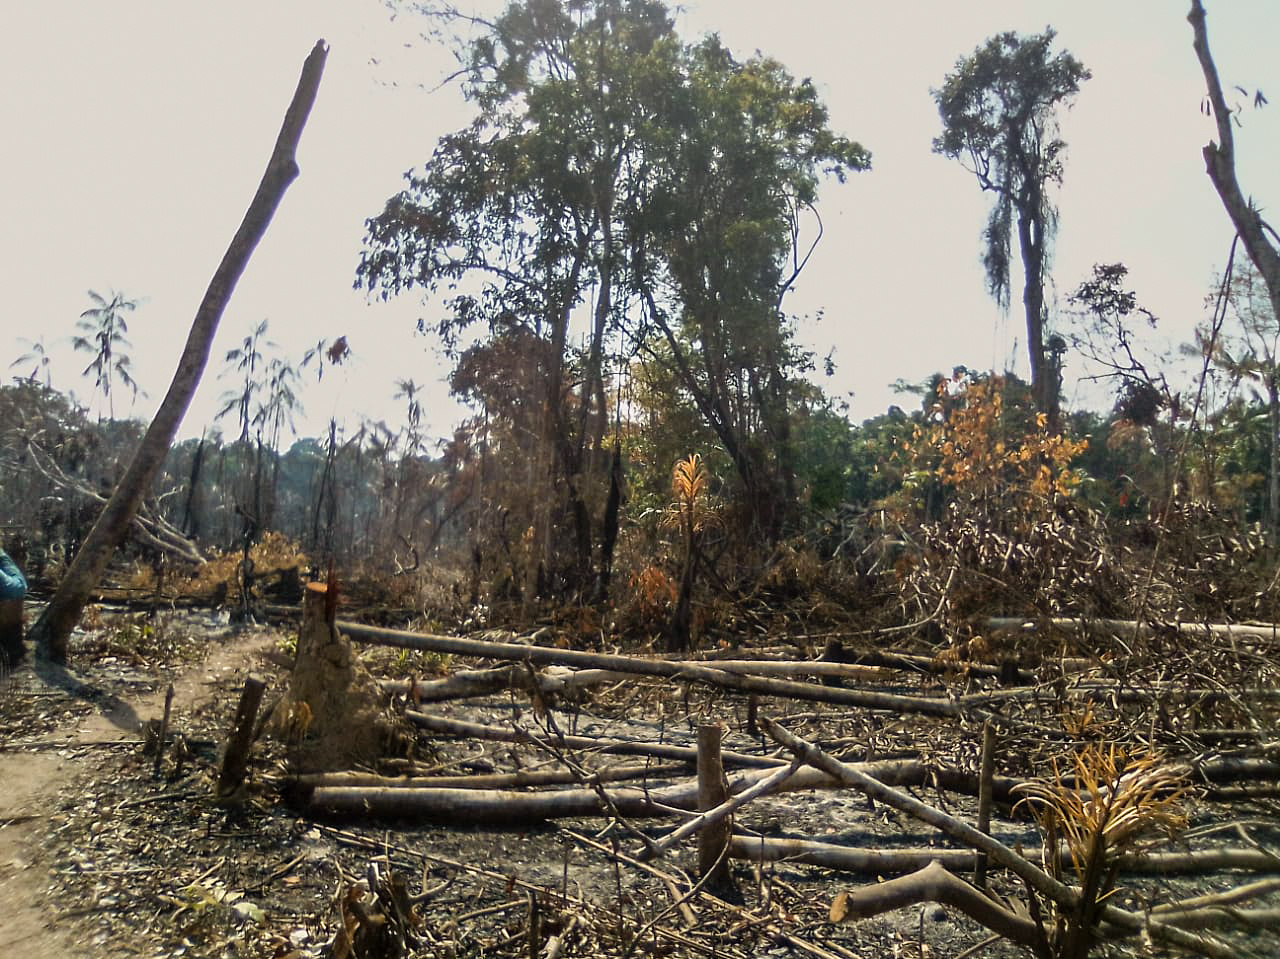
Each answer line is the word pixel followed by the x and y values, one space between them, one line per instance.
pixel 691 487
pixel 690 480
pixel 1115 800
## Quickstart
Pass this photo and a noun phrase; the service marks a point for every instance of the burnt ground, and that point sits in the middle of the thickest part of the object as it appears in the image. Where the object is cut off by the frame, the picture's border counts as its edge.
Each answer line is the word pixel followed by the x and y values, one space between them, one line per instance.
pixel 102 856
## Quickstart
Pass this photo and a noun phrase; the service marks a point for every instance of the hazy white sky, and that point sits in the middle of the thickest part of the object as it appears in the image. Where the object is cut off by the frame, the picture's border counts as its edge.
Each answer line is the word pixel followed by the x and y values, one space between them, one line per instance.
pixel 136 132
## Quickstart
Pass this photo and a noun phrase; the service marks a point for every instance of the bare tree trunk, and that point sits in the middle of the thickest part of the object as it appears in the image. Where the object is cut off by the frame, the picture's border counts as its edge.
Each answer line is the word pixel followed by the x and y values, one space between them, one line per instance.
pixel 53 629
pixel 1031 244
pixel 1220 164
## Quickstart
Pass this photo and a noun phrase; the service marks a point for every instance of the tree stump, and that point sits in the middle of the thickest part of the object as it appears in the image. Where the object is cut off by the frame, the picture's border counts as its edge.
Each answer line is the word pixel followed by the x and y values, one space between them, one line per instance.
pixel 334 716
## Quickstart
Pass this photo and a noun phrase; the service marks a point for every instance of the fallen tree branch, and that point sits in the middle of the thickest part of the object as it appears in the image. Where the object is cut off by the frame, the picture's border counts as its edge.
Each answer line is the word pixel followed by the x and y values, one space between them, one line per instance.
pixel 516 780
pixel 496 806
pixel 1134 629
pixel 466 683
pixel 152 531
pixel 934 884
pixel 622 747
pixel 543 655
pixel 1228 897
pixel 1041 882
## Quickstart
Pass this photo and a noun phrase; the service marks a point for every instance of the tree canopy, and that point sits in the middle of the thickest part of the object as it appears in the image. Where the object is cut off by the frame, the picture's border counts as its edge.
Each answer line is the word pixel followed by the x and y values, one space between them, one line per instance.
pixel 998 109
pixel 651 191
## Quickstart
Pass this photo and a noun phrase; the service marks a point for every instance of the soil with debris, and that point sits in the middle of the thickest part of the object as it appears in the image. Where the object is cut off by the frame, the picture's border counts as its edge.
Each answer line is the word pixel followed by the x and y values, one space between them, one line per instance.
pixel 101 855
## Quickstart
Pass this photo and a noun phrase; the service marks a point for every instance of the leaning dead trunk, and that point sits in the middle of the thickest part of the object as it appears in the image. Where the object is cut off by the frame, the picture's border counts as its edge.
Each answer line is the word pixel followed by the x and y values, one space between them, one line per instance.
pixel 1220 165
pixel 53 629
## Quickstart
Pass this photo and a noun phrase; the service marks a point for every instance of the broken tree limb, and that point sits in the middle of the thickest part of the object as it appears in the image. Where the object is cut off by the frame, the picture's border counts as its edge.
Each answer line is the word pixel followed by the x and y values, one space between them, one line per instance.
pixel 466 683
pixel 901 771
pixel 458 727
pixel 504 807
pixel 1063 896
pixel 148 529
pixel 552 680
pixel 497 807
pixel 1220 165
pixel 1220 900
pixel 543 655
pixel 934 884
pixel 517 780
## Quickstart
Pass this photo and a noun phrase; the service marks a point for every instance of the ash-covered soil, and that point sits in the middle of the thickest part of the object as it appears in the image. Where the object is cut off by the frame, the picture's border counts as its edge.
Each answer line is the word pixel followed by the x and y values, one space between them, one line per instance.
pixel 100 855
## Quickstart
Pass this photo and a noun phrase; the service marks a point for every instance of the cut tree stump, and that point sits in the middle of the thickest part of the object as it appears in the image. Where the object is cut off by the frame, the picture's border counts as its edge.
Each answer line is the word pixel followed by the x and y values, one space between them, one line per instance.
pixel 333 715
pixel 235 761
pixel 713 791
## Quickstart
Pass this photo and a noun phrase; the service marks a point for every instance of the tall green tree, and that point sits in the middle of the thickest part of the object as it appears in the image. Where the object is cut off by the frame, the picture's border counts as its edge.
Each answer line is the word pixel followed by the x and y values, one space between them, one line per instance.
pixel 104 335
pixel 999 119
pixel 718 241
pixel 523 203
pixel 570 198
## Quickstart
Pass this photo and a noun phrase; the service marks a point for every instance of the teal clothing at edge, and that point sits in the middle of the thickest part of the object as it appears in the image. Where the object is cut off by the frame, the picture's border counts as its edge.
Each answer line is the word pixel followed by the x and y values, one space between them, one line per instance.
pixel 13 585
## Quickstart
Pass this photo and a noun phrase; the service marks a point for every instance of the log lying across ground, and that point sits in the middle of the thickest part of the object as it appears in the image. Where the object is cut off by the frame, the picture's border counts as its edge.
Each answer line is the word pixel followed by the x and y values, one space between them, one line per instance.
pixel 555 679
pixel 621 747
pixel 473 799
pixel 873 861
pixel 1130 628
pixel 697 672
pixel 508 807
pixel 748 676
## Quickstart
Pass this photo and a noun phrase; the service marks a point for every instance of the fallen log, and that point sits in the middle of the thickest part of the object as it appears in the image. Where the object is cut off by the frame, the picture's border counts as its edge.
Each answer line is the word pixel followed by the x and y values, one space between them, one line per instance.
pixel 507 807
pixel 467 683
pixel 523 779
pixel 1061 895
pixel 934 884
pixel 544 655
pixel 1131 629
pixel 886 862
pixel 622 747
pixel 553 680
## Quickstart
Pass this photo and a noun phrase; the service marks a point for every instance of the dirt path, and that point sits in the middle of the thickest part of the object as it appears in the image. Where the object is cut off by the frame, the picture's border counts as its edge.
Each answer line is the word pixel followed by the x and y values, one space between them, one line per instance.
pixel 34 773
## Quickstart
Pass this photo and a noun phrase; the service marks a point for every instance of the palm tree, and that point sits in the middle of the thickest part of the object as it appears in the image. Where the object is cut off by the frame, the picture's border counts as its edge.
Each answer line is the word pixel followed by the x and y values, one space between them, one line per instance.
pixel 38 355
pixel 691 514
pixel 103 335
pixel 244 360
pixel 409 391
